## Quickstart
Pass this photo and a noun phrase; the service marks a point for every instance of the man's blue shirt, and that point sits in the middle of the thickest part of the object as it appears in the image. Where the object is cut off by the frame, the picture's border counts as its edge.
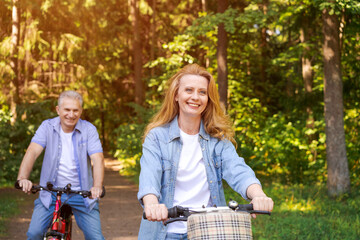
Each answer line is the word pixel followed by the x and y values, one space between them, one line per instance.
pixel 159 165
pixel 86 142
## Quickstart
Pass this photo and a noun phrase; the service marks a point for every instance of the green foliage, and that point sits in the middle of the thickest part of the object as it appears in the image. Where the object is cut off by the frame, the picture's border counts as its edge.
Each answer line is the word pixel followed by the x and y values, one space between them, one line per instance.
pixel 128 141
pixel 283 149
pixel 267 99
pixel 14 139
pixel 352 119
pixel 271 128
pixel 305 212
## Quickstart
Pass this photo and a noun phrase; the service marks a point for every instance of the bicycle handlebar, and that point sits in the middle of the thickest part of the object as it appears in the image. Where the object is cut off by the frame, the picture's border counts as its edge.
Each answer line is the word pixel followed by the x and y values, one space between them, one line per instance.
pixel 179 213
pixel 67 189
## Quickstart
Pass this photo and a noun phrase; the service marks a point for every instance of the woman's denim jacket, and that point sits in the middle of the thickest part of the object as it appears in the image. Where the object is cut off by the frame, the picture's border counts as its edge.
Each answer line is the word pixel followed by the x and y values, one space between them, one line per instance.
pixel 159 164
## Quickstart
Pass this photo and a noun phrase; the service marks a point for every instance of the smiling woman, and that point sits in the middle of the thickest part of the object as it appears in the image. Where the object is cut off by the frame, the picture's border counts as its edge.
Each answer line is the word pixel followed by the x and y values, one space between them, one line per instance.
pixel 192 99
pixel 187 151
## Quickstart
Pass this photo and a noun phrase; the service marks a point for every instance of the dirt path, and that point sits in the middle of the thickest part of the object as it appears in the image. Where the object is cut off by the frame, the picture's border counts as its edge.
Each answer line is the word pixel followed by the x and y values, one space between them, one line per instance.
pixel 120 211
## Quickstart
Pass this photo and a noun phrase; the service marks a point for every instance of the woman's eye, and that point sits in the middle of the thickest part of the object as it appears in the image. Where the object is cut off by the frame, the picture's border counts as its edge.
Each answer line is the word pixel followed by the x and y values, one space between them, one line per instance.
pixel 188 90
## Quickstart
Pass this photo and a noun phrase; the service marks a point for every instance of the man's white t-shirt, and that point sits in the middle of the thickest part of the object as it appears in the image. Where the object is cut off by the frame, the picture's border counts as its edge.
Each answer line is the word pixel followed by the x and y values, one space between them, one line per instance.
pixel 67 172
pixel 191 186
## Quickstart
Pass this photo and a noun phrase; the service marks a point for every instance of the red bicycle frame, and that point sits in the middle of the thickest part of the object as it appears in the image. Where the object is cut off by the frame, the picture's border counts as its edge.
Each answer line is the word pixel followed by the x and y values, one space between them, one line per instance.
pixel 60 222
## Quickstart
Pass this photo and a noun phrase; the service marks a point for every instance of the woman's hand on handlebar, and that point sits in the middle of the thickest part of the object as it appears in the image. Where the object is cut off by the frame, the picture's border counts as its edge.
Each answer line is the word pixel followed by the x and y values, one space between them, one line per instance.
pixel 25 185
pixel 156 212
pixel 153 210
pixel 262 203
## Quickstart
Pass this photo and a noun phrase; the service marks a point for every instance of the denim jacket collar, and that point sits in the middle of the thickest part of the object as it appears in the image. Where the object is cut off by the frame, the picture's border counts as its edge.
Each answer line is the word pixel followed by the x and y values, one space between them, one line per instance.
pixel 174 130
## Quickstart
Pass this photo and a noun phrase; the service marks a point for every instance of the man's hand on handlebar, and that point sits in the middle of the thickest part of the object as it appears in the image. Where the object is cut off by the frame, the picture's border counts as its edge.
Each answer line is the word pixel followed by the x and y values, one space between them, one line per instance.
pixel 25 185
pixel 96 192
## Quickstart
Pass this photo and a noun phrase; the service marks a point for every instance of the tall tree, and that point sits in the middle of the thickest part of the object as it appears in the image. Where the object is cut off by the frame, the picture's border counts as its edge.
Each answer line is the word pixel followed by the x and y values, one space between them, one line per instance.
pixel 222 56
pixel 338 170
pixel 263 44
pixel 137 53
pixel 153 36
pixel 306 62
pixel 15 35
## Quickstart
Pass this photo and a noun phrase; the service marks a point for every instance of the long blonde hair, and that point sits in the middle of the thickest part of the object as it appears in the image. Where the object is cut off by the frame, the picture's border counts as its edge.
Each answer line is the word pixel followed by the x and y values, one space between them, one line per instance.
pixel 216 123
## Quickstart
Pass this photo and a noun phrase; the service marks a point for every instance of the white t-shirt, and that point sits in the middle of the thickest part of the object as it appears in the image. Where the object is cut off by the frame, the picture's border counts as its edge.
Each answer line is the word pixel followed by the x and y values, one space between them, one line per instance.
pixel 67 172
pixel 191 186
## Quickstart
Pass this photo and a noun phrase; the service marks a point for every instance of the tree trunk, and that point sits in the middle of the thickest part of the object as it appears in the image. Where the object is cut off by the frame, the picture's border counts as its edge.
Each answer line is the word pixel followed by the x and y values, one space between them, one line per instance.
pixel 139 86
pixel 203 5
pixel 204 9
pixel 14 63
pixel 307 72
pixel 153 37
pixel 263 45
pixel 338 171
pixel 222 56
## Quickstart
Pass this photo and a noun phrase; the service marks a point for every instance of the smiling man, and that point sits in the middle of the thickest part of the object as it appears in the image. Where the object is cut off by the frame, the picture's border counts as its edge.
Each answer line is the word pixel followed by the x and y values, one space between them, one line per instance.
pixel 68 142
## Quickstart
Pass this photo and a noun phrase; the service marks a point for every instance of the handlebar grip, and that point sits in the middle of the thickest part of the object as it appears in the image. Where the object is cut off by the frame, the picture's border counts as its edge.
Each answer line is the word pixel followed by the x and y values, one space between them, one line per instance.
pixel 34 188
pixel 246 207
pixel 250 209
pixel 261 212
pixel 88 193
pixel 172 212
pixel 16 185
pixel 103 192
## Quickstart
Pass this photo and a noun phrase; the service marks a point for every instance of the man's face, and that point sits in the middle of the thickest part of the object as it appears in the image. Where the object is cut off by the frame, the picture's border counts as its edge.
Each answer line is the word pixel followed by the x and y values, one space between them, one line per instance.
pixel 69 111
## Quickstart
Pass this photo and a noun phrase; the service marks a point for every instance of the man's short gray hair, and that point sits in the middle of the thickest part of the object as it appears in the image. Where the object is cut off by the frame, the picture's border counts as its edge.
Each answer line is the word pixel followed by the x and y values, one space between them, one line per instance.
pixel 70 94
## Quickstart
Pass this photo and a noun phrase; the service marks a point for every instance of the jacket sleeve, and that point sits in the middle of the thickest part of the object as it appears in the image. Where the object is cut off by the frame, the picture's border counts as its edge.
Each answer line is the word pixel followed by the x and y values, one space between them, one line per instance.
pixel 235 171
pixel 151 168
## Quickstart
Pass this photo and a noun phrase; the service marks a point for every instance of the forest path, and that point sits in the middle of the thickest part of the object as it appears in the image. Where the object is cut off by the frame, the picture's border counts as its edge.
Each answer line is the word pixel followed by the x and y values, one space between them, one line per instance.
pixel 120 212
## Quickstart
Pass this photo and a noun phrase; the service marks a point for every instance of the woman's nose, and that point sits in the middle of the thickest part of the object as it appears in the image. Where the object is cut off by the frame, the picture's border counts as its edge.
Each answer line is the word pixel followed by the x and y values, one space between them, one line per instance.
pixel 195 95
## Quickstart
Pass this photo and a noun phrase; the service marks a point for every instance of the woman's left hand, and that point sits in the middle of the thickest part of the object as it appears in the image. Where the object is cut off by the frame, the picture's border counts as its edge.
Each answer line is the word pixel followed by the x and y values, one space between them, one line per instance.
pixel 262 203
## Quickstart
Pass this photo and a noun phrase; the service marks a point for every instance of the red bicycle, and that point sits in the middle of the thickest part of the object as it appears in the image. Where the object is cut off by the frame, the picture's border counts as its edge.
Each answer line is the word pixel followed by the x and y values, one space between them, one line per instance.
pixel 60 227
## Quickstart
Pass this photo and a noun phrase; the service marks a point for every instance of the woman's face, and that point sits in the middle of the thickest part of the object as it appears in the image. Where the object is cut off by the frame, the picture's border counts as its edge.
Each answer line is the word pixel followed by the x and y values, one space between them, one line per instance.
pixel 192 95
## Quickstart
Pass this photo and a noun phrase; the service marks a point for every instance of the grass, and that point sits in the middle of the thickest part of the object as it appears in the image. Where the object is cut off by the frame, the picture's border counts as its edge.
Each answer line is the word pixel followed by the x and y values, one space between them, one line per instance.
pixel 9 207
pixel 306 212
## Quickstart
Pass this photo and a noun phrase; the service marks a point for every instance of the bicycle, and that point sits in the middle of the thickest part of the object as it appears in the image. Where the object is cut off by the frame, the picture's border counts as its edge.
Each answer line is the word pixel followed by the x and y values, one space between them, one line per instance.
pixel 225 223
pixel 60 227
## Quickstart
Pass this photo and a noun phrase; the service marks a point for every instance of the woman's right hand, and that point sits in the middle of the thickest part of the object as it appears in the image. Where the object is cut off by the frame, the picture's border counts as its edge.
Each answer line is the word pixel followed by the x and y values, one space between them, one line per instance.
pixel 154 211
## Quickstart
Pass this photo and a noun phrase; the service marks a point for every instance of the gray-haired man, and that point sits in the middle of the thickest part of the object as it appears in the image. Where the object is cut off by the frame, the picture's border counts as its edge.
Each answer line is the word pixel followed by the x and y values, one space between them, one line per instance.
pixel 68 141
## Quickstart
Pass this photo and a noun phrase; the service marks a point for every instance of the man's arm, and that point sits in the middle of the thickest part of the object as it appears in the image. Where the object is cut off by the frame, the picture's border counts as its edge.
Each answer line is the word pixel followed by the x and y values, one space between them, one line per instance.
pixel 32 153
pixel 98 172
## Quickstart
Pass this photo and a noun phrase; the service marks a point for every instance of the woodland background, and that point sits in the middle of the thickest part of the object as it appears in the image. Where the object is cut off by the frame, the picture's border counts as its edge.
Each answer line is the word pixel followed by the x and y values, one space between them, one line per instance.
pixel 288 72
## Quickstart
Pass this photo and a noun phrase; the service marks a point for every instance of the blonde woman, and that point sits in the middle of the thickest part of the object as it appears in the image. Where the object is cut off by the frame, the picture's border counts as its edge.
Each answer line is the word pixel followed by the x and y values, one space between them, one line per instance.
pixel 188 149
